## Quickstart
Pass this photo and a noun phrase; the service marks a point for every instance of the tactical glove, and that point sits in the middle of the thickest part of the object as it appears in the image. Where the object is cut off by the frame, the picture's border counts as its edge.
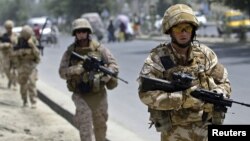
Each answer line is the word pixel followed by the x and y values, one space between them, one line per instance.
pixel 75 70
pixel 7 45
pixel 106 78
pixel 191 102
pixel 220 91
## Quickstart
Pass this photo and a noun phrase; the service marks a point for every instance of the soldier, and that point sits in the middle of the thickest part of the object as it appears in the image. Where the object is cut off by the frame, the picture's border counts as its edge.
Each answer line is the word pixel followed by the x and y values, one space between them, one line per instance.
pixel 178 115
pixel 88 86
pixel 7 41
pixel 28 56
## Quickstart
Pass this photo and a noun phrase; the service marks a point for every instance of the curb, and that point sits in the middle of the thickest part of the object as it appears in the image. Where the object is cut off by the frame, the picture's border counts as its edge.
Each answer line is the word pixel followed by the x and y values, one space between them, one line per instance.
pixel 62 104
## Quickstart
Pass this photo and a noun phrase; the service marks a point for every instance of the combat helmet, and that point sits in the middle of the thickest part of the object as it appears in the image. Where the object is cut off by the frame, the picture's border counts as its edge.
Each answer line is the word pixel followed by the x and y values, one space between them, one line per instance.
pixel 81 23
pixel 9 24
pixel 26 32
pixel 176 14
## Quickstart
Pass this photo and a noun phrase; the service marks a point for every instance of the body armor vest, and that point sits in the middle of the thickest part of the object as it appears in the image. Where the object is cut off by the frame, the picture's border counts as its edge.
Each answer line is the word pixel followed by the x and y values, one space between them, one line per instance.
pixel 163 119
pixel 89 81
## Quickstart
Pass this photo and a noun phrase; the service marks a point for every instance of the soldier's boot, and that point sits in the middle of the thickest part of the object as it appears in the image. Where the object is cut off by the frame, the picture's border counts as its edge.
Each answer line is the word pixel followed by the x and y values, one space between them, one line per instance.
pixel 33 102
pixel 25 104
pixel 33 105
pixel 9 84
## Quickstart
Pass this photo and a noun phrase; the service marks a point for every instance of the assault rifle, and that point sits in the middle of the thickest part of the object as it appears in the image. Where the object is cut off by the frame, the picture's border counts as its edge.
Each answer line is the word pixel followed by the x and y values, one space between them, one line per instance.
pixel 181 82
pixel 5 38
pixel 91 63
pixel 40 46
pixel 220 103
pixel 22 43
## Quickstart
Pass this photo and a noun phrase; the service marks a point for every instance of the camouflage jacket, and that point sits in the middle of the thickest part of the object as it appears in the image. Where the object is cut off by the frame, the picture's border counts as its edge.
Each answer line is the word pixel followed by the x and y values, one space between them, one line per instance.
pixel 202 63
pixel 95 49
pixel 7 42
pixel 26 52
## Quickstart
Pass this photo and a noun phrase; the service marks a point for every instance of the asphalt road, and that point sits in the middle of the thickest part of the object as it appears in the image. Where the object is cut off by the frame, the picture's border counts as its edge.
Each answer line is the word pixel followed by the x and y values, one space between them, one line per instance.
pixel 125 107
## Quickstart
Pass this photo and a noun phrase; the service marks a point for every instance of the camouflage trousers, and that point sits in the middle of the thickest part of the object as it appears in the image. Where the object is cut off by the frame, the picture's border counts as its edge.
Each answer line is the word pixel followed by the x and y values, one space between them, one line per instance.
pixel 91 120
pixel 192 132
pixel 27 81
pixel 10 72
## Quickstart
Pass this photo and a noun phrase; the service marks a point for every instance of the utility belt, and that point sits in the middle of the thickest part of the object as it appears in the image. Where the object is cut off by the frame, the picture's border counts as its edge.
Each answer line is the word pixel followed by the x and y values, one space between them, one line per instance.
pixel 163 122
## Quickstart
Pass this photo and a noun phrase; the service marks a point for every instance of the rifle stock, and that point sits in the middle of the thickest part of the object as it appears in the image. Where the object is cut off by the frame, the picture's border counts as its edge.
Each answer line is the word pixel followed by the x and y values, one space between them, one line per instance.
pixel 181 82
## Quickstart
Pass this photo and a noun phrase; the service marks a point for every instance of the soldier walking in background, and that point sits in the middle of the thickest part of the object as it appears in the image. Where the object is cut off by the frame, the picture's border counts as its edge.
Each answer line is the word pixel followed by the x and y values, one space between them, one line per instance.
pixel 178 115
pixel 7 41
pixel 88 85
pixel 27 55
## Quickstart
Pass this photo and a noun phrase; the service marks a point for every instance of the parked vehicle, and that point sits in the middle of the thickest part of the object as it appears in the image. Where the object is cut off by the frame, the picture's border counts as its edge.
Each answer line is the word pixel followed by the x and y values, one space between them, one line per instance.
pixel 233 21
pixel 50 31
pixel 201 18
pixel 97 24
pixel 17 29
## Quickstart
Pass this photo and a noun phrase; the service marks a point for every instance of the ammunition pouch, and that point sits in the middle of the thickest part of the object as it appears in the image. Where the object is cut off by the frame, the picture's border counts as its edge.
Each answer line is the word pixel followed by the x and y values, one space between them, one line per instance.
pixel 161 120
pixel 78 87
pixel 85 83
pixel 112 83
pixel 96 82
pixel 218 118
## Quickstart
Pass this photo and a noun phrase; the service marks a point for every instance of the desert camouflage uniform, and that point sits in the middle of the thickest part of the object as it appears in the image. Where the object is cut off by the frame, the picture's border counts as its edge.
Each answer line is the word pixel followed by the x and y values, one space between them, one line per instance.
pixel 27 55
pixel 6 48
pixel 91 105
pixel 179 113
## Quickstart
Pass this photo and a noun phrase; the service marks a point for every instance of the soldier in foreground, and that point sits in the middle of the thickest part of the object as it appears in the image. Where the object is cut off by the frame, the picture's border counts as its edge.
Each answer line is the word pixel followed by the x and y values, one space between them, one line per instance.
pixel 7 41
pixel 177 114
pixel 27 54
pixel 88 84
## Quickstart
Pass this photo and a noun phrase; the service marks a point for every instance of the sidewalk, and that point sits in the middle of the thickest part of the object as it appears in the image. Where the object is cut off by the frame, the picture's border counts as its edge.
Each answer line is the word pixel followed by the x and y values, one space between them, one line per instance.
pixel 48 122
pixel 26 124
pixel 162 38
pixel 64 106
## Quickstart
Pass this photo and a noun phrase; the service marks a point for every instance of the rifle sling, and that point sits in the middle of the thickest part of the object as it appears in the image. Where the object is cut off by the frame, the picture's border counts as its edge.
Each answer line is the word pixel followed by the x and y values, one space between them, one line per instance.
pixel 167 62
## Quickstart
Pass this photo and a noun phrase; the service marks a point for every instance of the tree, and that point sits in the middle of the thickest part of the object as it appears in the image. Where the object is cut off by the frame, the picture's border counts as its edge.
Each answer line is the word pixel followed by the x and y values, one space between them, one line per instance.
pixel 75 8
pixel 243 5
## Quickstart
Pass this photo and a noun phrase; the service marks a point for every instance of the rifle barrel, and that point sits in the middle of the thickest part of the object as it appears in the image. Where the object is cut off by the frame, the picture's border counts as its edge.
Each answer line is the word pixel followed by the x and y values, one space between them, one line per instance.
pixel 241 103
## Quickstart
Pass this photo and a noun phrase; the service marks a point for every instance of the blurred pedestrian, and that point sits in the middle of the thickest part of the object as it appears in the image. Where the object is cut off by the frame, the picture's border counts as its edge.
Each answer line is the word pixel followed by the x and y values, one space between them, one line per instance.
pixel 111 31
pixel 28 56
pixel 122 31
pixel 136 25
pixel 37 31
pixel 7 41
pixel 88 85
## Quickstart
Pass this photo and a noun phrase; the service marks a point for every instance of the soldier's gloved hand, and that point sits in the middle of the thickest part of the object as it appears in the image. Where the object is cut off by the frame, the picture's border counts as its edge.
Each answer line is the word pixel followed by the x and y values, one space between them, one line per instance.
pixel 219 91
pixel 75 70
pixel 191 102
pixel 31 43
pixel 105 78
pixel 7 45
pixel 20 52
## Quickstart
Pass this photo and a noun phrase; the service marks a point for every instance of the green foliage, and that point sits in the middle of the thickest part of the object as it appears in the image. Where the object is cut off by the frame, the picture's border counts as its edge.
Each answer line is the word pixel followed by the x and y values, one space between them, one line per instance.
pixel 162 5
pixel 243 5
pixel 75 8
pixel 19 10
